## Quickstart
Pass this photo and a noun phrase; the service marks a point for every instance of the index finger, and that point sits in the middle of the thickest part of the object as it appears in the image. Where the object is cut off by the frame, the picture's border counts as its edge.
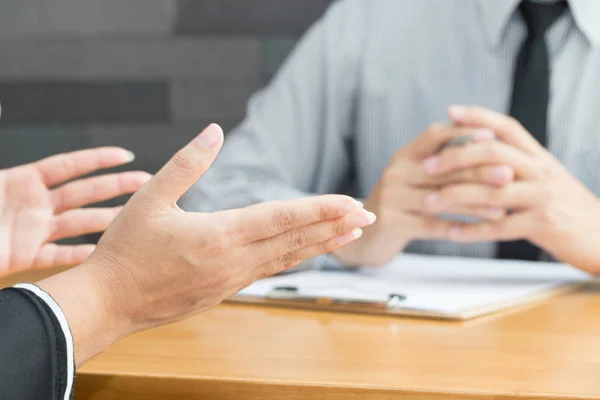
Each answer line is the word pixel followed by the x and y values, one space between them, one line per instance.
pixel 437 135
pixel 508 129
pixel 64 167
pixel 266 220
pixel 183 170
pixel 482 154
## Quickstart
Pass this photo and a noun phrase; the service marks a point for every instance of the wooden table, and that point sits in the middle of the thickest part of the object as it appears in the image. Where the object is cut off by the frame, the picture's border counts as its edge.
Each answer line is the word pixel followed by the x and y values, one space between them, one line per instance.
pixel 550 350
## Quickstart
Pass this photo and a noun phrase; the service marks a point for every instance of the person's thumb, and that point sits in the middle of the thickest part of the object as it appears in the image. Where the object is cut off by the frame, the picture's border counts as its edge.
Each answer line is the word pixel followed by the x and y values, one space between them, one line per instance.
pixel 185 167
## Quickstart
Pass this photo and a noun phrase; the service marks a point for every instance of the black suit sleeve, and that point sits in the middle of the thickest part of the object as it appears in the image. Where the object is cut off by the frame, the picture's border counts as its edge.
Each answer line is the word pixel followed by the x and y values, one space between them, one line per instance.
pixel 33 349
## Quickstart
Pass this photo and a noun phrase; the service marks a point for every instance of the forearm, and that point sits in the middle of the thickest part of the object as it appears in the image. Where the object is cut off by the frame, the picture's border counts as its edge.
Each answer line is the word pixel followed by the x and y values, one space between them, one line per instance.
pixel 87 303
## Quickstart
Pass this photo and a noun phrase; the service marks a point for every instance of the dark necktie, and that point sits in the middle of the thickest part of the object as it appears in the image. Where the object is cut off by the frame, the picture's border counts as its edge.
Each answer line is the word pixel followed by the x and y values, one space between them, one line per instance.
pixel 531 94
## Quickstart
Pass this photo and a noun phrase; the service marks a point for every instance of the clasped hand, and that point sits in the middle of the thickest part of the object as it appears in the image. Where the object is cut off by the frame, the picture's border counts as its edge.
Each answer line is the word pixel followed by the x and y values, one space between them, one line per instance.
pixel 485 178
pixel 552 209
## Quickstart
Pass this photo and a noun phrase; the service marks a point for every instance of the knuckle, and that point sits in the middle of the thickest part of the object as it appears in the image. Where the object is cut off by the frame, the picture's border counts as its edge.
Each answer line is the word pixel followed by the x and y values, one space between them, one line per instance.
pixel 546 171
pixel 385 216
pixel 218 245
pixel 478 174
pixel 284 219
pixel 220 278
pixel 297 239
pixel 325 211
pixel 61 196
pixel 189 260
pixel 431 226
pixel 490 151
pixel 392 176
pixel 286 266
pixel 146 203
pixel 385 197
pixel 120 182
pixel 283 260
pixel 548 195
pixel 548 216
pixel 388 198
pixel 548 211
pixel 292 258
pixel 68 165
pixel 187 303
pixel 327 247
pixel 401 156
pixel 484 174
pixel 218 242
pixel 510 124
pixel 182 164
pixel 273 268
pixel 432 132
pixel 229 226
pixel 491 195
pixel 339 228
pixel 461 177
pixel 451 194
pixel 454 157
pixel 258 276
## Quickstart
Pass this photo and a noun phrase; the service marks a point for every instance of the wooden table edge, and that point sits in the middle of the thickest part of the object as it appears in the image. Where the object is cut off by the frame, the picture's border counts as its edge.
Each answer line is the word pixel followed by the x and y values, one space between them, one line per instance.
pixel 189 387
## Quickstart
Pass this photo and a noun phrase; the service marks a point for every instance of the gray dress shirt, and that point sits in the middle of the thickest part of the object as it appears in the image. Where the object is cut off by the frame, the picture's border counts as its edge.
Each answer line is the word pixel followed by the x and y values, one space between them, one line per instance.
pixel 371 75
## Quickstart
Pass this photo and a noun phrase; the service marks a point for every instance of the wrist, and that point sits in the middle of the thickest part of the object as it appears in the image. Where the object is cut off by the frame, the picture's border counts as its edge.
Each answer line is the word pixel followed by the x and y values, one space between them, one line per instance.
pixel 93 321
pixel 114 295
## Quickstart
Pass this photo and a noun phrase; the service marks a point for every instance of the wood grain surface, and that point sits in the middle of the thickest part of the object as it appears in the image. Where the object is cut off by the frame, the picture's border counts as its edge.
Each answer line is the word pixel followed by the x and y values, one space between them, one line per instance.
pixel 550 350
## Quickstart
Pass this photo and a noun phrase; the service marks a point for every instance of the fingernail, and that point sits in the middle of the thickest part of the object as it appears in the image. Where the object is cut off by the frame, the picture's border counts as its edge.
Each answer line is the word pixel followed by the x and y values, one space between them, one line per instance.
pixel 372 218
pixel 348 208
pixel 210 137
pixel 363 219
pixel 501 174
pixel 350 237
pixel 432 200
pixel 146 177
pixel 129 157
pixel 455 233
pixel 431 164
pixel 483 134
pixel 456 111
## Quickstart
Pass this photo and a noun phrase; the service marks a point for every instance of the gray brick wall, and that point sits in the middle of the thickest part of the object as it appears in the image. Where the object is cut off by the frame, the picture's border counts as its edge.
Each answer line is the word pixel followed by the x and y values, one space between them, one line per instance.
pixel 143 74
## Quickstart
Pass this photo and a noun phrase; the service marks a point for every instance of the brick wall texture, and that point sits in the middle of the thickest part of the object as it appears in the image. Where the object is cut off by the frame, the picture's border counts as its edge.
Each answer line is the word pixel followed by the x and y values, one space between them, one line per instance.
pixel 144 74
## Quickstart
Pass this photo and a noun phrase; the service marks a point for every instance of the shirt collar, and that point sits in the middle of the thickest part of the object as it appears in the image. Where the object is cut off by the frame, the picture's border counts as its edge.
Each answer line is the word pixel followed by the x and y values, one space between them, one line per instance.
pixel 497 13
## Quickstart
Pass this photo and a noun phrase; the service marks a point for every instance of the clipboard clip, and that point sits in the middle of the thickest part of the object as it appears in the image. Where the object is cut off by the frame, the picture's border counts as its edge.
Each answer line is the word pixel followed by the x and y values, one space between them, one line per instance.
pixel 291 293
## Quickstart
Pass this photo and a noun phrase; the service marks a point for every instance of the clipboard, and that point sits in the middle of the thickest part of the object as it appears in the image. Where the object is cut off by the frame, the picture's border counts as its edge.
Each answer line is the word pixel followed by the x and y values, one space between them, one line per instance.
pixel 444 288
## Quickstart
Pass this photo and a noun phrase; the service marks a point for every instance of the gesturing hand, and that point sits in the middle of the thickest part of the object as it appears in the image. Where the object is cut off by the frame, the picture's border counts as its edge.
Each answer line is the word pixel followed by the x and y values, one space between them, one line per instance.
pixel 35 211
pixel 158 264
pixel 552 208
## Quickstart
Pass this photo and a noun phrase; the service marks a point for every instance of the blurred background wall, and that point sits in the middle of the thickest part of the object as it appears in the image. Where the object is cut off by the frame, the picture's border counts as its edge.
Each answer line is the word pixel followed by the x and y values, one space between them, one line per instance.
pixel 143 74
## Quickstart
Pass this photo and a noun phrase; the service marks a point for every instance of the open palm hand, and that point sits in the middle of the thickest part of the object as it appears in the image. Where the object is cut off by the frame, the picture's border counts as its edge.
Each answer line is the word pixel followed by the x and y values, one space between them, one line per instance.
pixel 38 207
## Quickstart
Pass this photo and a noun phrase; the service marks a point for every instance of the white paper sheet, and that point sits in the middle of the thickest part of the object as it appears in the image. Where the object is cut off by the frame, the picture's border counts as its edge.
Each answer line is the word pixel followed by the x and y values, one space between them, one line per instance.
pixel 441 285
